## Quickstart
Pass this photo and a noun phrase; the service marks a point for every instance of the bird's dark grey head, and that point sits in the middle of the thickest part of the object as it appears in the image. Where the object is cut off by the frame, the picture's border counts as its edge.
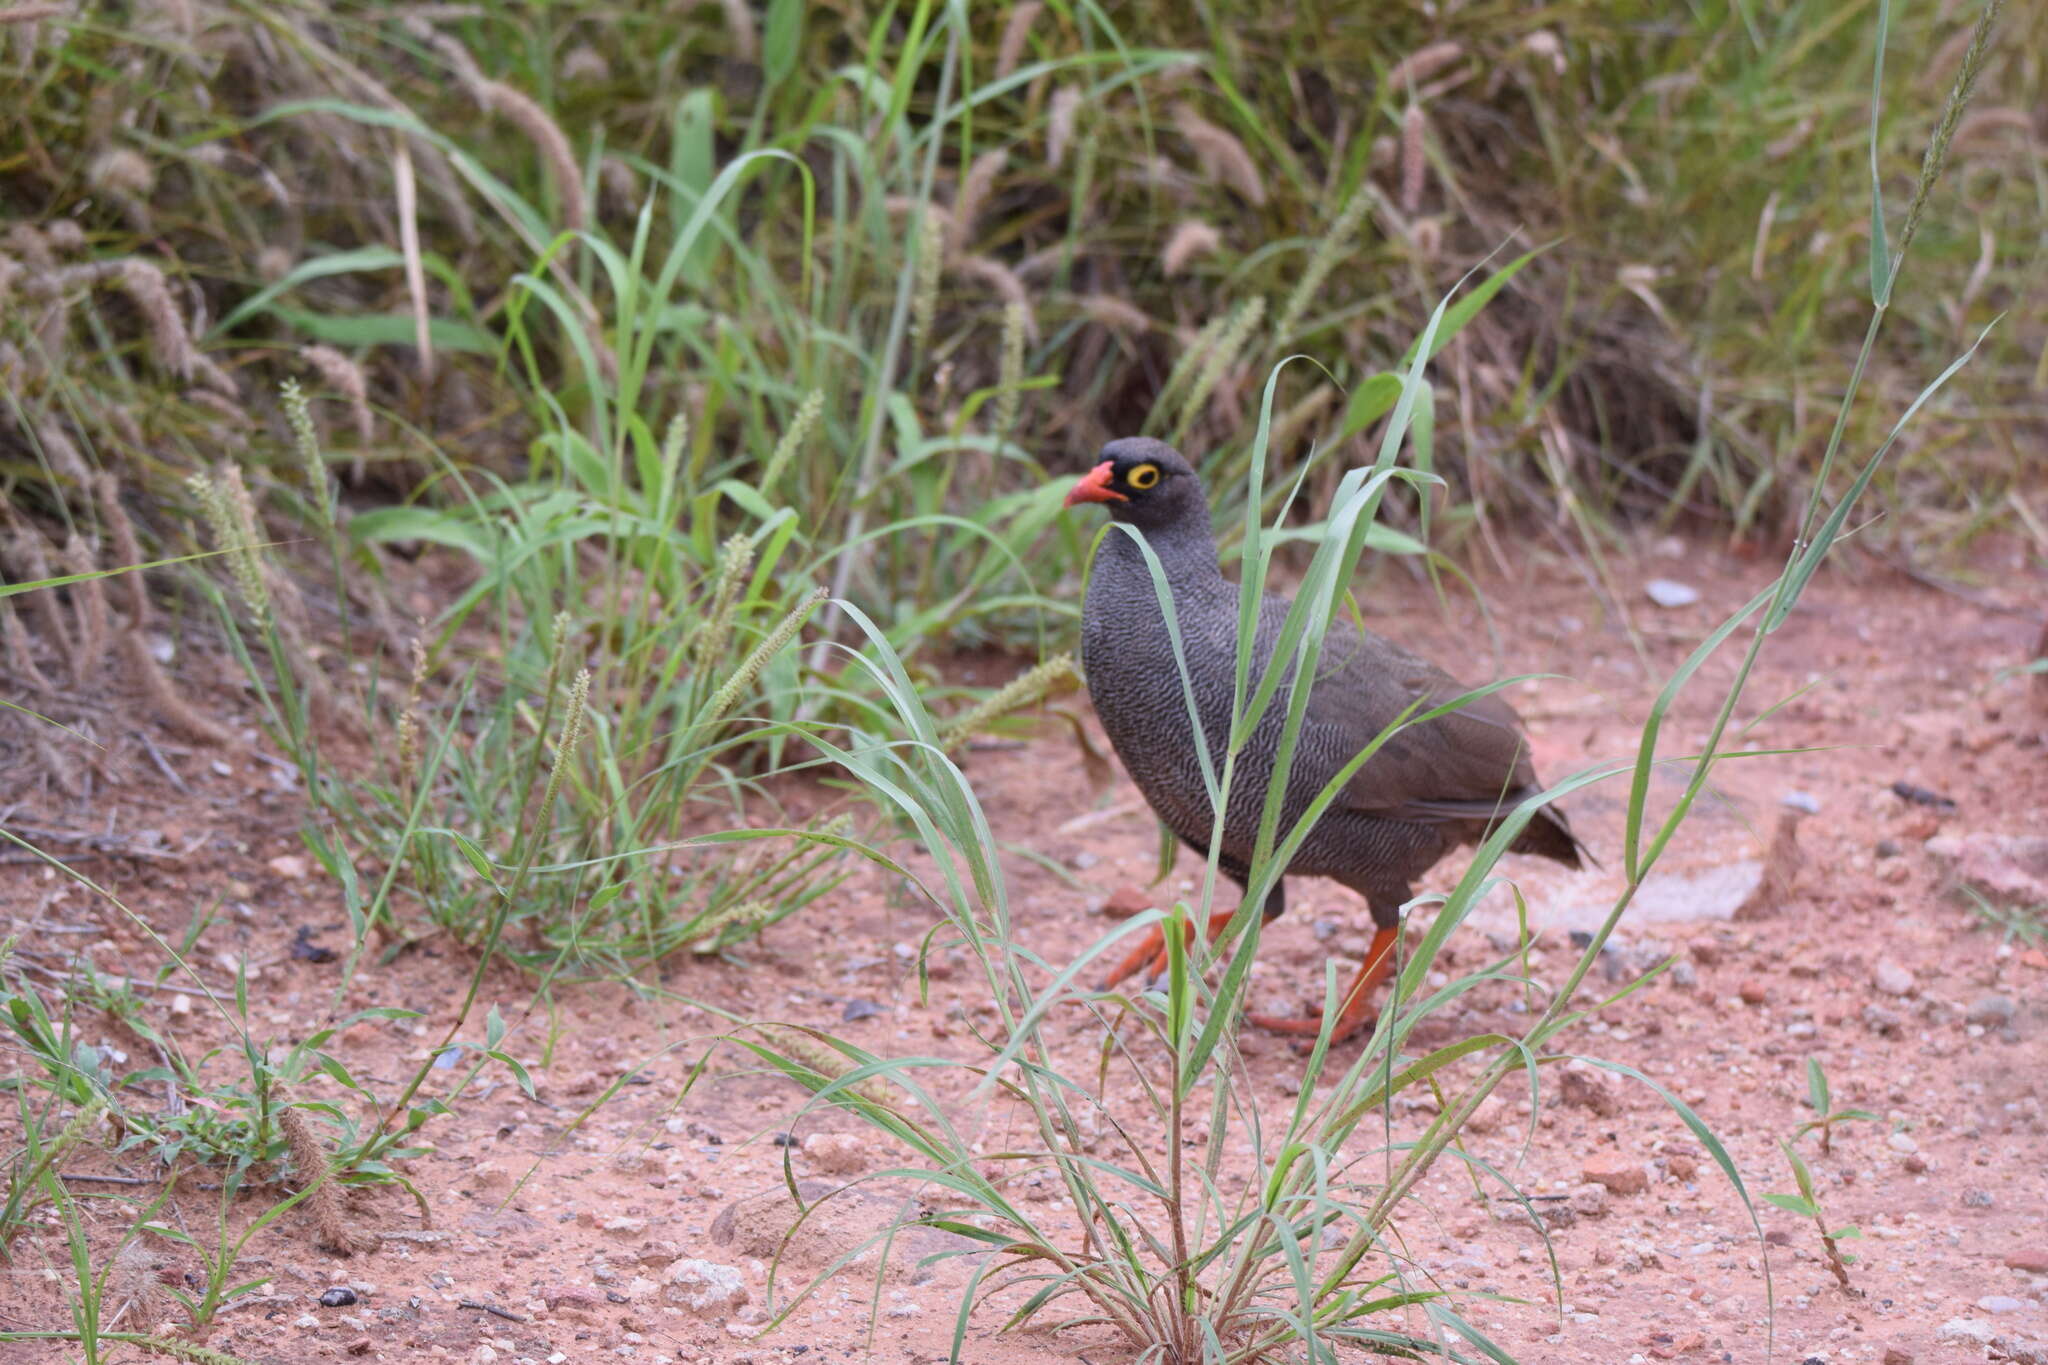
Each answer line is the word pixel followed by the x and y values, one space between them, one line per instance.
pixel 1145 482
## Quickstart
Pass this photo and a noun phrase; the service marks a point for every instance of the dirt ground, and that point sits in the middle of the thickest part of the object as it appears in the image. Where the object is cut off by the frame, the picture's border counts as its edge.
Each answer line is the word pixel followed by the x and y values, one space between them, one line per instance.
pixel 554 1240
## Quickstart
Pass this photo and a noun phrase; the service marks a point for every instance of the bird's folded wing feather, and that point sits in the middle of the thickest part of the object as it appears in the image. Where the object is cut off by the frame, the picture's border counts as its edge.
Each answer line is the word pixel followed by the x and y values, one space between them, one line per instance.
pixel 1468 764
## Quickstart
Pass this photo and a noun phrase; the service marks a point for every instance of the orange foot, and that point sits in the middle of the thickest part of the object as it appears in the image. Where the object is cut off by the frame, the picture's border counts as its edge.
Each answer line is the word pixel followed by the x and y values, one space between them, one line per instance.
pixel 1150 954
pixel 1379 962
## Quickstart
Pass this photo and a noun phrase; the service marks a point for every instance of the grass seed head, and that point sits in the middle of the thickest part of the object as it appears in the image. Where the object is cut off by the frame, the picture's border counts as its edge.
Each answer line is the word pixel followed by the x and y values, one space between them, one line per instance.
pixel 793 438
pixel 1009 391
pixel 931 264
pixel 1016 32
pixel 1221 155
pixel 1191 238
pixel 1059 123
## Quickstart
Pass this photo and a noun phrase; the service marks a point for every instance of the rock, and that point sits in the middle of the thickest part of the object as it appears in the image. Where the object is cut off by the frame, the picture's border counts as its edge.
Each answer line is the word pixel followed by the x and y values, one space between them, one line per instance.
pixel 2001 1303
pixel 659 1252
pixel 623 1226
pixel 1753 992
pixel 1590 1201
pixel 289 866
pixel 706 1288
pixel 1683 975
pixel 1900 1142
pixel 1782 862
pixel 1126 901
pixel 1889 977
pixel 1969 1331
pixel 1585 1087
pixel 1669 592
pixel 841 1222
pixel 1978 1199
pixel 2019 1351
pixel 837 1153
pixel 1705 950
pixel 1897 1355
pixel 2002 867
pixel 1711 893
pixel 1914 1164
pixel 2033 1261
pixel 1617 1172
pixel 1992 1011
pixel 570 1296
pixel 1881 1021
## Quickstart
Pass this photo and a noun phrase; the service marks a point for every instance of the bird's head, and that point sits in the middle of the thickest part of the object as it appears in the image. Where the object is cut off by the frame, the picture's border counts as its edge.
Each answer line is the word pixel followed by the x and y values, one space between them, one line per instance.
pixel 1145 482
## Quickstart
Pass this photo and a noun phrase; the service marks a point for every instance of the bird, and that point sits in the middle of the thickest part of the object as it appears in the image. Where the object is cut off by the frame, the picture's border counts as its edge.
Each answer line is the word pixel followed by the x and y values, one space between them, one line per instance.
pixel 1432 786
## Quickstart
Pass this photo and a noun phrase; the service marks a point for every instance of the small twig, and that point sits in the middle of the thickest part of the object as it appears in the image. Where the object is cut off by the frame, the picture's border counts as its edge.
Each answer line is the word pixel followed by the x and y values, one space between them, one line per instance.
pixel 162 765
pixel 108 843
pixel 106 1179
pixel 492 1309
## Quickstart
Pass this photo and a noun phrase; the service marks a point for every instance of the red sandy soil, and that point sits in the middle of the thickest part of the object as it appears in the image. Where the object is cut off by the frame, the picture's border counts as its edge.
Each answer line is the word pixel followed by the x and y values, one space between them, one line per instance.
pixel 1863 957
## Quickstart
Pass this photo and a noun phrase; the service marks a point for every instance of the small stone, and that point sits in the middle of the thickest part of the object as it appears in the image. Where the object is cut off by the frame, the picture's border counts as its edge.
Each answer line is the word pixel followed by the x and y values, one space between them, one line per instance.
pixel 2001 1303
pixel 1973 1331
pixel 569 1296
pixel 1590 1201
pixel 1900 1142
pixel 1705 951
pixel 1888 848
pixel 1889 977
pixel 1669 592
pixel 341 1296
pixel 1805 802
pixel 1126 901
pixel 2033 1262
pixel 1684 975
pixel 624 1226
pixel 1753 992
pixel 704 1288
pixel 1880 1020
pixel 1581 1085
pixel 1914 1164
pixel 836 1153
pixel 1617 1172
pixel 1992 1011
pixel 289 866
pixel 1978 1199
pixel 1897 1355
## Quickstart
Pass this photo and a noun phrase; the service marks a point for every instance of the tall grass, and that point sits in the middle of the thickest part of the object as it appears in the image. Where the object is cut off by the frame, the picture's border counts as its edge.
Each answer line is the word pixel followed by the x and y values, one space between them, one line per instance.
pixel 676 386
pixel 1184 1257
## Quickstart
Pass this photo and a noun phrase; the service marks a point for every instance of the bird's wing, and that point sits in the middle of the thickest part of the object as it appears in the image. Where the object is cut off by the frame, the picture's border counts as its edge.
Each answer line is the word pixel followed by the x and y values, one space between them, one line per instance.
pixel 1468 764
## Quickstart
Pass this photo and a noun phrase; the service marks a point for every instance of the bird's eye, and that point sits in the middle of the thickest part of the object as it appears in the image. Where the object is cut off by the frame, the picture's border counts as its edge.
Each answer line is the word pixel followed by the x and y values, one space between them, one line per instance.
pixel 1143 477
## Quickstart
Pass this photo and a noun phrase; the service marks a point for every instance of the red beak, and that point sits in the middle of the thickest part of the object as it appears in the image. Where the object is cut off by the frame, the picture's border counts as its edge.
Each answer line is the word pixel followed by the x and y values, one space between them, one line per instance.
pixel 1094 486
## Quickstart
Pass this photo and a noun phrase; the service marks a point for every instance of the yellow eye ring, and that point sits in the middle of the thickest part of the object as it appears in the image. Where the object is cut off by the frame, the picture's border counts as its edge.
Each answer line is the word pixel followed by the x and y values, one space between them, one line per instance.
pixel 1143 477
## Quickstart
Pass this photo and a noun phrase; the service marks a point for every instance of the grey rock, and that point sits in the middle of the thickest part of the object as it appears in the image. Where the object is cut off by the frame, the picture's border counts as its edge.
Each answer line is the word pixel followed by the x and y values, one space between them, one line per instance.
pixel 1992 1011
pixel 1669 592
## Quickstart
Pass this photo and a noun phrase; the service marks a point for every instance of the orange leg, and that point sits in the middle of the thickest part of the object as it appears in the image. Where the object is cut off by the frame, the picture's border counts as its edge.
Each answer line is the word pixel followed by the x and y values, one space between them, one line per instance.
pixel 1150 954
pixel 1379 963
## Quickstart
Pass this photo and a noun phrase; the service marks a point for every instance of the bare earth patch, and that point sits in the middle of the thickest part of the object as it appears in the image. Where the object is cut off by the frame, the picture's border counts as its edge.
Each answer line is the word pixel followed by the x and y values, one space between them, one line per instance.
pixel 642 1226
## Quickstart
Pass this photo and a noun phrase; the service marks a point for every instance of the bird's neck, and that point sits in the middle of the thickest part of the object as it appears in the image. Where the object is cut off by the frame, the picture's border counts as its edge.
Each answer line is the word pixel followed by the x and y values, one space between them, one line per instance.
pixel 1186 549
